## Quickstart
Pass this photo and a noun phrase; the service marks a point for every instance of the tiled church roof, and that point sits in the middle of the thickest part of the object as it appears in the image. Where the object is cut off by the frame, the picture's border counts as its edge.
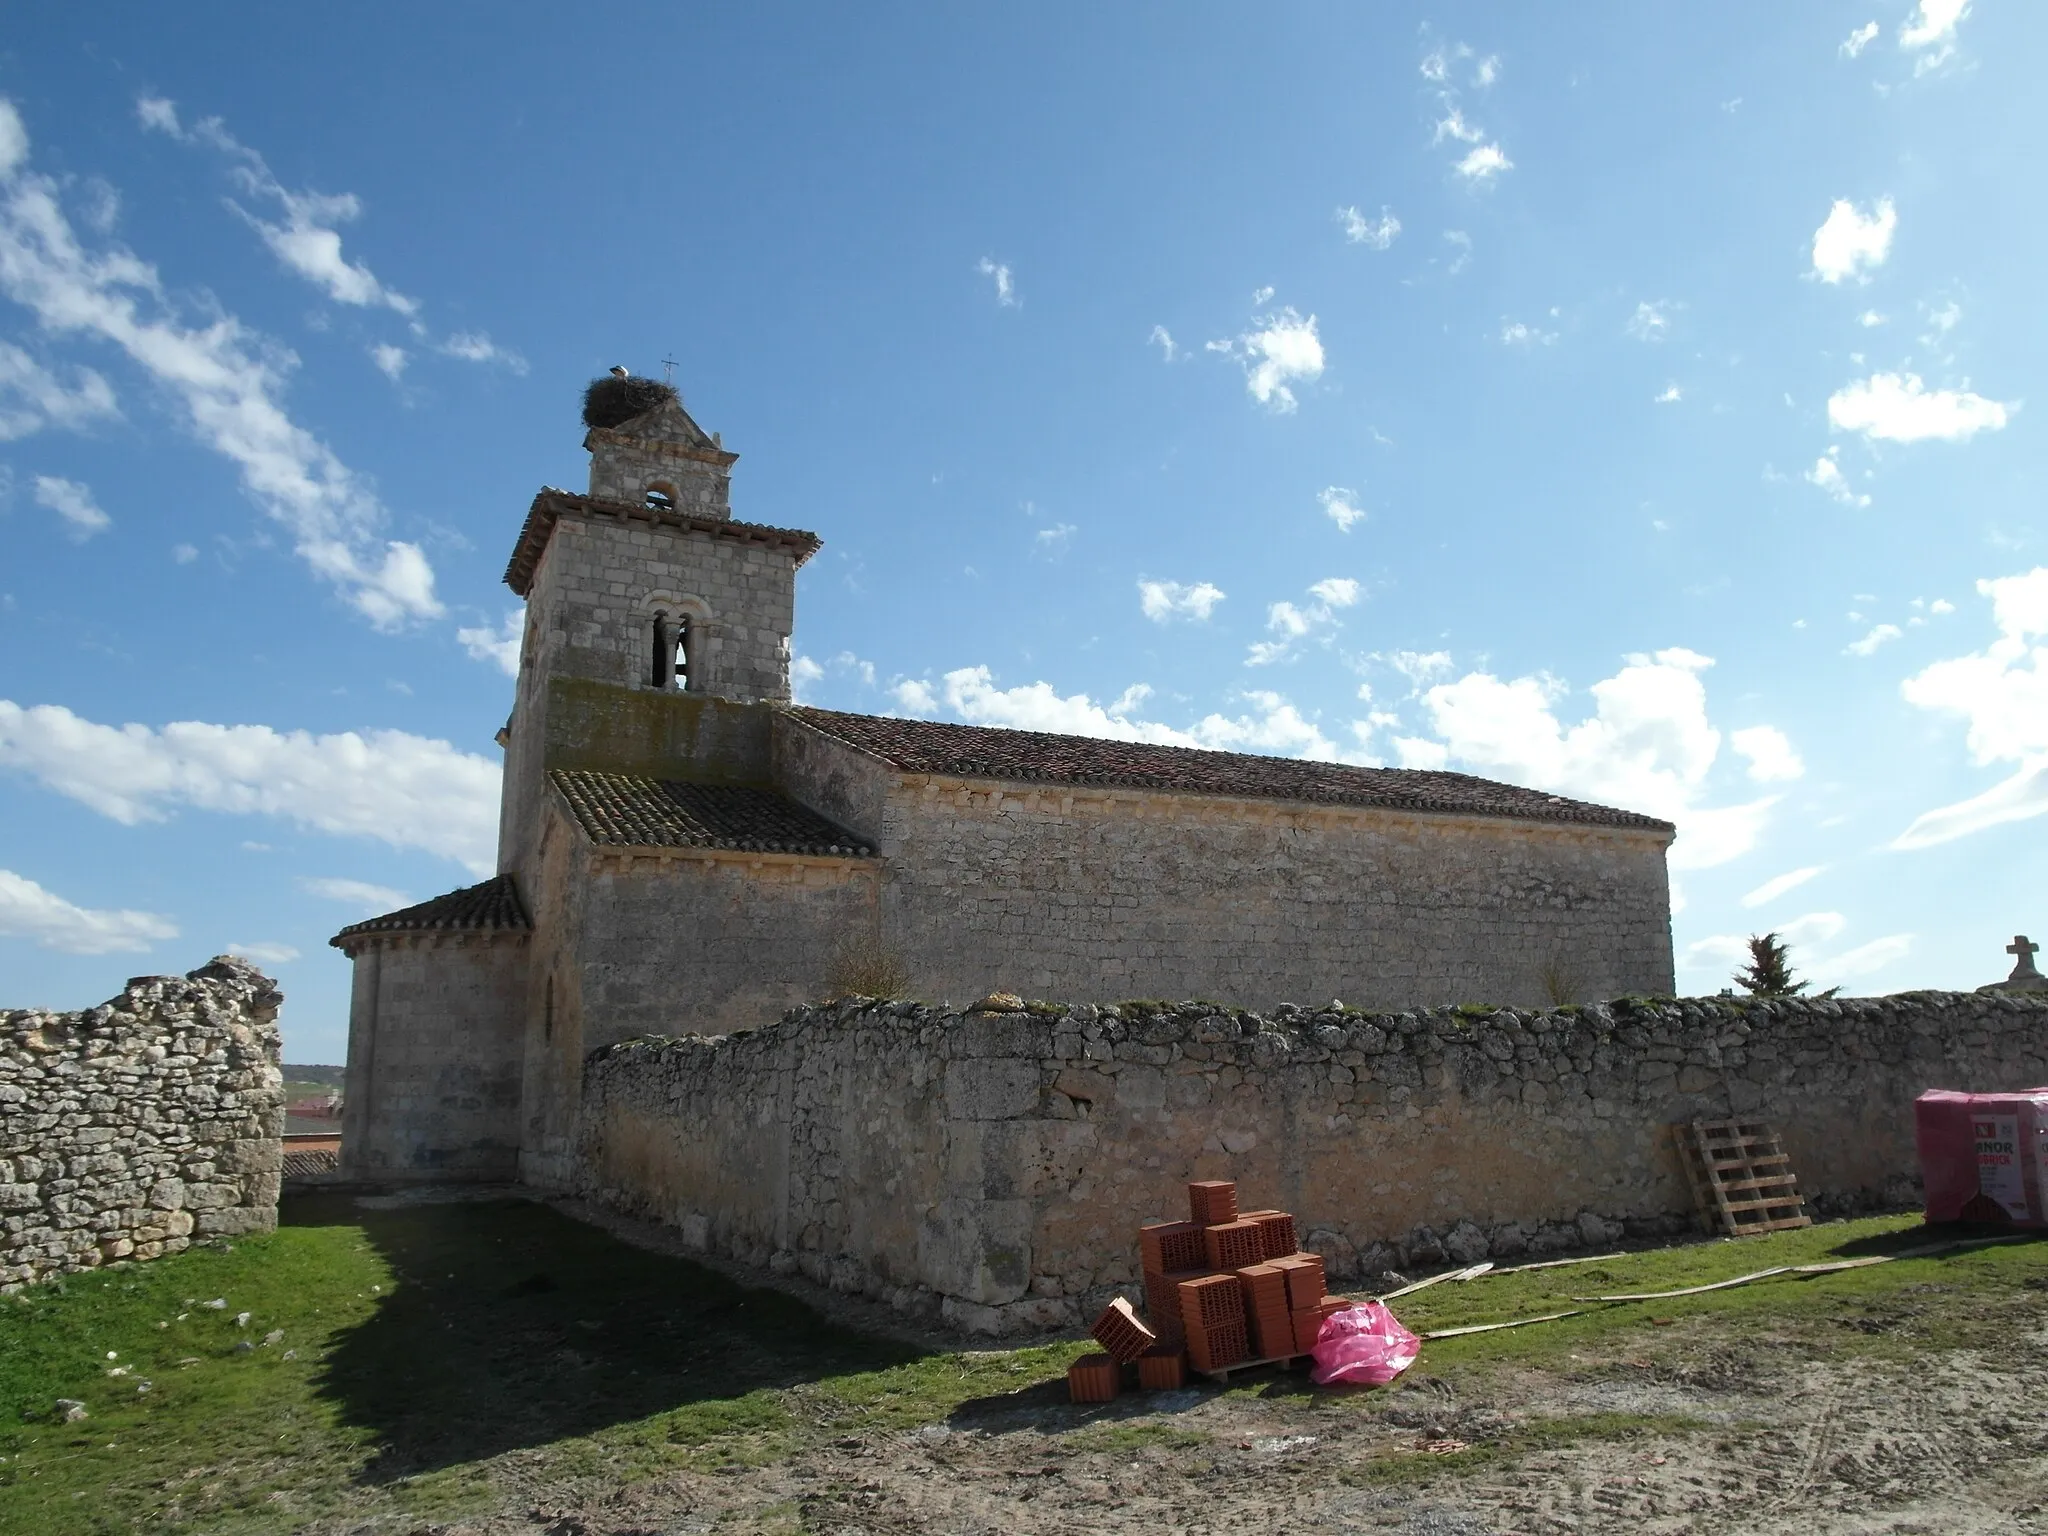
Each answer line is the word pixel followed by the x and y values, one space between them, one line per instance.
pixel 628 810
pixel 550 504
pixel 984 752
pixel 492 906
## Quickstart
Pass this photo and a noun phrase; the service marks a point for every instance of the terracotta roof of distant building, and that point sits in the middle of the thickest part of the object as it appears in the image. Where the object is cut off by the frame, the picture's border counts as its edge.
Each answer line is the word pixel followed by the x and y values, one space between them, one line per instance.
pixel 490 907
pixel 985 752
pixel 550 504
pixel 628 810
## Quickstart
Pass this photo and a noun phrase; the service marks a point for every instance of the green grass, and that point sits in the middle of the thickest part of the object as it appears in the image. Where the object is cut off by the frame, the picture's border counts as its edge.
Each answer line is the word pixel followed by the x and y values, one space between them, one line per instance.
pixel 436 1359
pixel 1132 1435
pixel 1896 1309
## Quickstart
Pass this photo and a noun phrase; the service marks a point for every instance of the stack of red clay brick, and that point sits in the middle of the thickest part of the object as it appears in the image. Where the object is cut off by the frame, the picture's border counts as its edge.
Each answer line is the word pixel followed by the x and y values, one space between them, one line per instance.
pixel 1221 1290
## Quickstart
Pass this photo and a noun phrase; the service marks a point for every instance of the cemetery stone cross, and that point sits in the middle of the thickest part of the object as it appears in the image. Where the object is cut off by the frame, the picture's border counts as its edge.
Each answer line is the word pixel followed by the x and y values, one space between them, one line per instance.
pixel 2024 970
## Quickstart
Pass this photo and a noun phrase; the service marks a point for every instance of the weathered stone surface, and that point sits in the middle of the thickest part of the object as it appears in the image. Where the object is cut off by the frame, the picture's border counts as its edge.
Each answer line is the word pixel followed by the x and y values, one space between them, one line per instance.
pixel 103 1112
pixel 996 1180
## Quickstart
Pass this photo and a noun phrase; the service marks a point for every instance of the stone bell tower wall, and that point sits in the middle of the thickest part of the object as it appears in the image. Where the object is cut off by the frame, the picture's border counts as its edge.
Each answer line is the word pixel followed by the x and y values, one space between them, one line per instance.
pixel 604 577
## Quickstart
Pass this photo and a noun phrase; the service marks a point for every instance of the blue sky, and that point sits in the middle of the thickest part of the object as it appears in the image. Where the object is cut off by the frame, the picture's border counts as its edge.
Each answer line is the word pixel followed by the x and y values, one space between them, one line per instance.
pixel 1642 404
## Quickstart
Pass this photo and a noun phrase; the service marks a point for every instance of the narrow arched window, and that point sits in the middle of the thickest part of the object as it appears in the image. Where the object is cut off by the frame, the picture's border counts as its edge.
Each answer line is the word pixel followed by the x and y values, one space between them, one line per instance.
pixel 659 675
pixel 547 1011
pixel 661 498
pixel 686 634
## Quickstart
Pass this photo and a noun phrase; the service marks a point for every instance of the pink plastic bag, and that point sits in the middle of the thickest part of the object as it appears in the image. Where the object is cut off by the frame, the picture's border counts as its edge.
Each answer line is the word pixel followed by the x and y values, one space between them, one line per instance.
pixel 1365 1344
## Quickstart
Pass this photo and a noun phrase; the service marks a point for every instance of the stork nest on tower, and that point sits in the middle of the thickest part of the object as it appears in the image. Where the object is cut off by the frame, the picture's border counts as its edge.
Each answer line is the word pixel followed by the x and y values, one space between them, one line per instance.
pixel 611 402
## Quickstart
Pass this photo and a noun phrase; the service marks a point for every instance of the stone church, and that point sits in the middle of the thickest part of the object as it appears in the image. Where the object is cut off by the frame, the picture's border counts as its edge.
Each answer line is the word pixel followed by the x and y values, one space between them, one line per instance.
pixel 683 849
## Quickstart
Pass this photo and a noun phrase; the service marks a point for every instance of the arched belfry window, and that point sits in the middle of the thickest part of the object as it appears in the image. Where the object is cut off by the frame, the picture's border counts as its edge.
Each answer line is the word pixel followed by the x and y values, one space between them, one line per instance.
pixel 673 652
pixel 661 497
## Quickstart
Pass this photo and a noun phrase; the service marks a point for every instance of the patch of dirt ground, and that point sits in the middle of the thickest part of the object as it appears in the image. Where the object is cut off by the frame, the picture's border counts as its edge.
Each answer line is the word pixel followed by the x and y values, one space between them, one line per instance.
pixel 1699 1440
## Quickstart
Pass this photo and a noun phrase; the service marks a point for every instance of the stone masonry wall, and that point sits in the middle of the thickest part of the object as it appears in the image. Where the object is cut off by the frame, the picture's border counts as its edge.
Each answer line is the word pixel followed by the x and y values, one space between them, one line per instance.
pixel 129 1129
pixel 1061 890
pixel 992 1168
pixel 602 579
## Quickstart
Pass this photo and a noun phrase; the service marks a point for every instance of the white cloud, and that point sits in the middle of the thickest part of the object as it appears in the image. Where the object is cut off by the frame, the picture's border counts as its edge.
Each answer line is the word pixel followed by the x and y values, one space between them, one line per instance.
pixel 1899 408
pixel 390 360
pixel 1878 635
pixel 1860 39
pixel 1827 474
pixel 1420 753
pixel 500 645
pixel 476 347
pixel 1272 725
pixel 1434 67
pixel 1054 541
pixel 1730 951
pixel 1486 71
pixel 1650 322
pixel 1453 126
pixel 1516 333
pixel 1360 230
pixel 804 677
pixel 1931 31
pixel 32 397
pixel 1647 747
pixel 404 790
pixel 1162 338
pixel 1341 506
pixel 27 911
pixel 72 502
pixel 1282 351
pixel 184 554
pixel 1671 394
pixel 1284 618
pixel 1772 758
pixel 1006 288
pixel 1778 885
pixel 1461 242
pixel 264 953
pixel 1870 319
pixel 1420 668
pixel 1852 244
pixel 2002 694
pixel 1484 163
pixel 1164 601
pixel 1290 623
pixel 307 241
pixel 1864 959
pixel 229 383
pixel 360 894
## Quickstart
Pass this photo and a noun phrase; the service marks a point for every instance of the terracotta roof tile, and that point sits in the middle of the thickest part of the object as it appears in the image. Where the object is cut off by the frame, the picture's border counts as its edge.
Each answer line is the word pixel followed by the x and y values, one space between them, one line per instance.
pixel 627 810
pixel 549 506
pixel 985 752
pixel 492 906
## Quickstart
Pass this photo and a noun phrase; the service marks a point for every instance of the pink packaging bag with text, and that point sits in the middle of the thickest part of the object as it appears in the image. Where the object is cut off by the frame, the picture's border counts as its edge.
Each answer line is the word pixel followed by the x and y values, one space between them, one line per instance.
pixel 1984 1156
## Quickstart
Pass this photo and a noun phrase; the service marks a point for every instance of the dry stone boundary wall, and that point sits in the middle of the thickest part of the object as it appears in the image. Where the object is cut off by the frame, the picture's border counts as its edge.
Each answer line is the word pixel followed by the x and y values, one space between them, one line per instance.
pixel 990 1167
pixel 130 1129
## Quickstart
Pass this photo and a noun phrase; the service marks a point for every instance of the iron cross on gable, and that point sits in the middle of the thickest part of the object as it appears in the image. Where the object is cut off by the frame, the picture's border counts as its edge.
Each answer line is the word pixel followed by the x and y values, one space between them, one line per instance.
pixel 2025 951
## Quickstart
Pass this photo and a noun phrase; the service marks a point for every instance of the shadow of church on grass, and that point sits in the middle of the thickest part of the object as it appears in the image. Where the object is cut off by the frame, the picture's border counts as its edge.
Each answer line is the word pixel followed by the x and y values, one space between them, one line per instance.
pixel 512 1326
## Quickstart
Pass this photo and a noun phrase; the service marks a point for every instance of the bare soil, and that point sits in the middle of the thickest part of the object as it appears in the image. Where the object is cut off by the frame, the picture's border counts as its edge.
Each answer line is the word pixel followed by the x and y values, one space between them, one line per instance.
pixel 1835 1420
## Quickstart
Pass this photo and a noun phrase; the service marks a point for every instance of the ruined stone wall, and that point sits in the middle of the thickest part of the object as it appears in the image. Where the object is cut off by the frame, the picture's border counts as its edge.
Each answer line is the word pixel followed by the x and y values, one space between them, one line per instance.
pixel 993 1167
pixel 130 1129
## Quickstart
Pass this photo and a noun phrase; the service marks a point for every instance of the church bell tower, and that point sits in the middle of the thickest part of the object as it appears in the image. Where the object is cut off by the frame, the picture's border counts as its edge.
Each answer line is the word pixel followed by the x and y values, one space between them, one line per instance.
pixel 645 585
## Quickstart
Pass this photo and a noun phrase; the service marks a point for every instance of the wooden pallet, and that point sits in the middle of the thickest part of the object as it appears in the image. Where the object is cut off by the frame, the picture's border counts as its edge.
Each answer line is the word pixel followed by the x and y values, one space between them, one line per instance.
pixel 1741 1178
pixel 1223 1373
